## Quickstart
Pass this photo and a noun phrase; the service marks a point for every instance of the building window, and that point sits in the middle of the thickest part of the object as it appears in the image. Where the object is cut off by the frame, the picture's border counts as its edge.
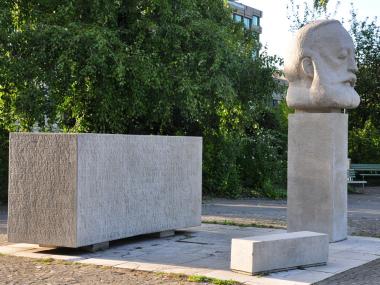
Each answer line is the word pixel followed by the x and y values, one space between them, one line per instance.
pixel 238 18
pixel 247 23
pixel 256 21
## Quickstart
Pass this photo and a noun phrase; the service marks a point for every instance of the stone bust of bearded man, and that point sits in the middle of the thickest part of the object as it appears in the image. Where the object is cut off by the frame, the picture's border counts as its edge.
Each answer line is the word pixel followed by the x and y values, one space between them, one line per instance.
pixel 320 68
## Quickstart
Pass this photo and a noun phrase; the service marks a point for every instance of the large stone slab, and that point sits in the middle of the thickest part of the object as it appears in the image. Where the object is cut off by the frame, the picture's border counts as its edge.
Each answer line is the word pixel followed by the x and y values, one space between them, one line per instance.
pixel 275 252
pixel 75 190
pixel 317 174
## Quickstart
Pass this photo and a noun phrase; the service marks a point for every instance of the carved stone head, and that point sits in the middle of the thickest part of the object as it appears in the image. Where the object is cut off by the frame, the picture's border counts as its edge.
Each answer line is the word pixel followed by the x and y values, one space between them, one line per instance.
pixel 320 68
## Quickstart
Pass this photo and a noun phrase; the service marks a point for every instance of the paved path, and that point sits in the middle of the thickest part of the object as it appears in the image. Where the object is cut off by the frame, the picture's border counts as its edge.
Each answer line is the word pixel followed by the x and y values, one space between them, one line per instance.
pixel 205 251
pixel 363 212
pixel 3 224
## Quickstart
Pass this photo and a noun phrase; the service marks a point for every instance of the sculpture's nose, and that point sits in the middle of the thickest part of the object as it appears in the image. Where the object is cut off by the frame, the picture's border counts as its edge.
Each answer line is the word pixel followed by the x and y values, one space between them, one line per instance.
pixel 352 66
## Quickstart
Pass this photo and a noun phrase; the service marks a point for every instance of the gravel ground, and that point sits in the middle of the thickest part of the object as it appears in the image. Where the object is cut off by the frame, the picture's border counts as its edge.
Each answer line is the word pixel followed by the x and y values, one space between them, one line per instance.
pixel 367 274
pixel 25 271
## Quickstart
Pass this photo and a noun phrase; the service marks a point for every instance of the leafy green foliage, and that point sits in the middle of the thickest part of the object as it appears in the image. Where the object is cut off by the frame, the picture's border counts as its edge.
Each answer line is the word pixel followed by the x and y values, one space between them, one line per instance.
pixel 320 4
pixel 3 164
pixel 365 120
pixel 365 143
pixel 144 67
pixel 208 280
pixel 301 14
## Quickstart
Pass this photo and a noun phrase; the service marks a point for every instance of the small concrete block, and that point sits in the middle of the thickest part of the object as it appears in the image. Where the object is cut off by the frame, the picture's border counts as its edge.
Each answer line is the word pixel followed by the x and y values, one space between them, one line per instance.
pixel 276 252
pixel 97 246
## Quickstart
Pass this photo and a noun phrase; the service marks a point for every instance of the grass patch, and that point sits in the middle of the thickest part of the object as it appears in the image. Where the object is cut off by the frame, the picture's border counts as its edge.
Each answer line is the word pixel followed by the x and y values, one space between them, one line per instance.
pixel 275 194
pixel 366 234
pixel 354 190
pixel 232 223
pixel 45 261
pixel 171 275
pixel 64 262
pixel 204 279
pixel 49 261
pixel 198 279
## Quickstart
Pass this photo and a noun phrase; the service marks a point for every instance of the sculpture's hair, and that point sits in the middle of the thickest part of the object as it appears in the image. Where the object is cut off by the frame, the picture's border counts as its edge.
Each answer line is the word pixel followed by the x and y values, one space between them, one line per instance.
pixel 302 46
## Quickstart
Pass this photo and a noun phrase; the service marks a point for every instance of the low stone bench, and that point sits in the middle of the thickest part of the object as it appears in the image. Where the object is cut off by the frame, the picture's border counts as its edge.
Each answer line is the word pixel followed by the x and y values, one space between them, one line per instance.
pixel 76 190
pixel 276 252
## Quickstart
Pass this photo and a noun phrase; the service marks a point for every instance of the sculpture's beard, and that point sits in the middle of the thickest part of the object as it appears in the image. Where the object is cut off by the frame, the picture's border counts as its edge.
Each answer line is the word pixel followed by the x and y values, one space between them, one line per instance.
pixel 320 95
pixel 335 95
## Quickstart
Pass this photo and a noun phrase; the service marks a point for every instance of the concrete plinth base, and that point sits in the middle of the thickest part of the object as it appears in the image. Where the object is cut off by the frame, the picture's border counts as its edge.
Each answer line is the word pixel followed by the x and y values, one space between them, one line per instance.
pixel 97 246
pixel 317 174
pixel 164 234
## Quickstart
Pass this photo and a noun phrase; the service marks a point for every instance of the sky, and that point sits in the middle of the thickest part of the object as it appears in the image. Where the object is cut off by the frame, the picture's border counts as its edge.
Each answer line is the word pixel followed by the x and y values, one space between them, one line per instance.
pixel 276 35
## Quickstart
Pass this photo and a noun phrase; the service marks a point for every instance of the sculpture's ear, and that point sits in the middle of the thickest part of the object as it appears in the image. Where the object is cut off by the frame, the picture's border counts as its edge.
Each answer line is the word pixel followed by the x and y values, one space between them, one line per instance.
pixel 307 67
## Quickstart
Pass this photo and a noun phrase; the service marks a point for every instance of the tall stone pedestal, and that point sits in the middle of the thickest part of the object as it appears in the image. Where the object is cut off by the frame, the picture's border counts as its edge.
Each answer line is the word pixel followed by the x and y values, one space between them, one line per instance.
pixel 317 174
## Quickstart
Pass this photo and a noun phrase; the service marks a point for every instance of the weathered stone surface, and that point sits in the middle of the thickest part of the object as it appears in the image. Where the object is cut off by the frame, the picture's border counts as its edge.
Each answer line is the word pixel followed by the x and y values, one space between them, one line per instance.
pixel 320 67
pixel 82 189
pixel 42 189
pixel 317 174
pixel 274 252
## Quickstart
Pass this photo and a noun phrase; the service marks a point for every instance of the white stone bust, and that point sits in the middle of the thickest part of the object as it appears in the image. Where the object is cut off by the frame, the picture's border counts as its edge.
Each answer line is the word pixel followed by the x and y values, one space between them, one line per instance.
pixel 320 68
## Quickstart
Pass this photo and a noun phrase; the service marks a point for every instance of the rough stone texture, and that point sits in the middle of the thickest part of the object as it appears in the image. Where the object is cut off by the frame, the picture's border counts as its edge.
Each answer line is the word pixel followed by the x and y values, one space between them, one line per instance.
pixel 137 185
pixel 82 189
pixel 42 189
pixel 320 68
pixel 368 274
pixel 276 252
pixel 317 174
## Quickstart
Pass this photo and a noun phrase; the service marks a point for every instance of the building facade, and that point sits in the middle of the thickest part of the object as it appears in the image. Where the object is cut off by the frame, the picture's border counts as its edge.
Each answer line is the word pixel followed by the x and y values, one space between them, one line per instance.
pixel 250 17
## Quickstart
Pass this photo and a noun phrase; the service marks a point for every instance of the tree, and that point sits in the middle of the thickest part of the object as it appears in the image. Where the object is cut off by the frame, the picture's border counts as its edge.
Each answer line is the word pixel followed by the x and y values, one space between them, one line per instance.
pixel 364 131
pixel 320 4
pixel 299 15
pixel 140 67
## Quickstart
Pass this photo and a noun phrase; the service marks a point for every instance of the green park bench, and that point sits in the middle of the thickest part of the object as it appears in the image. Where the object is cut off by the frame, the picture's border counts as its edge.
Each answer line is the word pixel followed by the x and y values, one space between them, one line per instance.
pixel 366 169
pixel 351 176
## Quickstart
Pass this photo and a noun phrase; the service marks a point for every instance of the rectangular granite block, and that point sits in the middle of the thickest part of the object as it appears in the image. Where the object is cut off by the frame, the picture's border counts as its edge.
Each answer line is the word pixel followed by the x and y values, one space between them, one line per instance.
pixel 275 252
pixel 80 189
